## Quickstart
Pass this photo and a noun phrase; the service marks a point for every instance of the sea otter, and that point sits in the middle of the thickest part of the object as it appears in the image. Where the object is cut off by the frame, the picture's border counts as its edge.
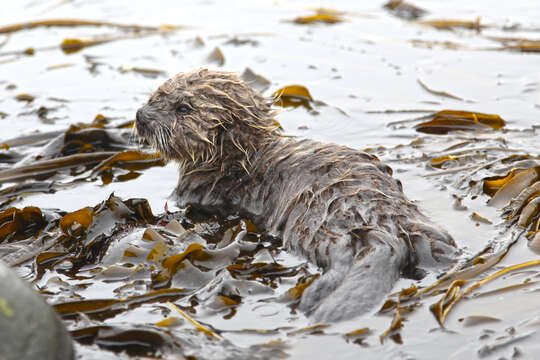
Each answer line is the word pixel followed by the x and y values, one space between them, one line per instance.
pixel 336 206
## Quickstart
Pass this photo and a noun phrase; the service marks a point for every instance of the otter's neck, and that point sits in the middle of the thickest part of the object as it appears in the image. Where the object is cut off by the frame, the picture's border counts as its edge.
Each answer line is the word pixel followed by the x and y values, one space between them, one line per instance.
pixel 219 183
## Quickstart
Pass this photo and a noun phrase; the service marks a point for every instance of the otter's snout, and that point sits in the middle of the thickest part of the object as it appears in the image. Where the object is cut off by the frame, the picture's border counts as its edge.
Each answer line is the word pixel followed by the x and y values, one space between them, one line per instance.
pixel 141 123
pixel 140 118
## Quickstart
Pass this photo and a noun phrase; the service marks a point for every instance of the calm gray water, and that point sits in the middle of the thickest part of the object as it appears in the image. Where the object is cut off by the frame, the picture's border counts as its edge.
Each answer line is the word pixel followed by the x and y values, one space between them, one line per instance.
pixel 366 70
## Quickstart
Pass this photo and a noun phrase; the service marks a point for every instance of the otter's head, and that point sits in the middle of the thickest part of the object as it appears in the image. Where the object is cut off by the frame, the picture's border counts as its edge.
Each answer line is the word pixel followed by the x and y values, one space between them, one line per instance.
pixel 207 118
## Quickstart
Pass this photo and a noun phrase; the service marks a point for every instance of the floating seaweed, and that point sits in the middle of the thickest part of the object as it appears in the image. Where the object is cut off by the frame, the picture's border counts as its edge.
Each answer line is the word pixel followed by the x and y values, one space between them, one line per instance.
pixel 80 22
pixel 293 96
pixel 454 24
pixel 320 17
pixel 445 121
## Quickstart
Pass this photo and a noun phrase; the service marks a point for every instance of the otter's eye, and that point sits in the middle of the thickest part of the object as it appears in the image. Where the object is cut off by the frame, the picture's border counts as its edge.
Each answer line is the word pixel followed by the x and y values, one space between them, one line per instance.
pixel 182 109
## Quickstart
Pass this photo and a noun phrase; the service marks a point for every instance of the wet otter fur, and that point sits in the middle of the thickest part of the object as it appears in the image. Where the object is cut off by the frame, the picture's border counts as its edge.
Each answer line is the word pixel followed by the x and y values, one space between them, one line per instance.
pixel 336 206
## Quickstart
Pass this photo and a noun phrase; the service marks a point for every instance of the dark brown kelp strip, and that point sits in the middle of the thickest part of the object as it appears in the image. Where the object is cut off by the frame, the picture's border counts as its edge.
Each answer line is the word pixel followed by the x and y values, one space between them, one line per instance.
pixel 46 166
pixel 438 92
pixel 454 294
pixel 454 24
pixel 80 22
pixel 445 121
pixel 517 44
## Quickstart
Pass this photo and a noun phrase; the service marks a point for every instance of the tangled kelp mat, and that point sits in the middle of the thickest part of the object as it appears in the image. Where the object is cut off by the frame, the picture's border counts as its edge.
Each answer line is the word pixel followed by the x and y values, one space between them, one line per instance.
pixel 129 282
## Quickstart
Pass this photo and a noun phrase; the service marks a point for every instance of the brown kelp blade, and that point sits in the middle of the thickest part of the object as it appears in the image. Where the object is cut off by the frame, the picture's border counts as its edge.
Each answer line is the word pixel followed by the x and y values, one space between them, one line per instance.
pixel 78 22
pixel 445 121
pixel 455 294
pixel 293 96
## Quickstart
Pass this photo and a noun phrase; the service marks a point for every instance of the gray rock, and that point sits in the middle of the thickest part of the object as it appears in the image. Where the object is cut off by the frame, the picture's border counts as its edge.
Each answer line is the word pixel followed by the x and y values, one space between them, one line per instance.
pixel 29 327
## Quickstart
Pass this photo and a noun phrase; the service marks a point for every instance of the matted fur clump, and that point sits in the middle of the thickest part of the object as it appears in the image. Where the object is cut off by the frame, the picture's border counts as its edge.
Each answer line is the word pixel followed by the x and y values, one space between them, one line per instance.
pixel 338 207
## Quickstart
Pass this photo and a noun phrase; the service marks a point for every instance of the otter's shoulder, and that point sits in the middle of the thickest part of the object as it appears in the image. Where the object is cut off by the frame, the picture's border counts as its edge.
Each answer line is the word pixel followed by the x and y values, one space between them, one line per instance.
pixel 316 156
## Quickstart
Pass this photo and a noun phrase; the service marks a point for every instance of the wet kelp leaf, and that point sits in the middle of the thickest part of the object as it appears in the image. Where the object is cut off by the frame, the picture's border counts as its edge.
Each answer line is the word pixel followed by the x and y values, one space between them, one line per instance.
pixel 441 308
pixel 87 140
pixel 258 82
pixel 11 193
pixel 438 92
pixel 216 57
pixel 358 336
pixel 169 322
pixel 395 325
pixel 131 160
pixel 173 263
pixel 73 221
pixel 46 168
pixel 474 320
pixel 479 218
pixel 526 206
pixel 525 46
pixel 197 324
pixel 431 44
pixel 19 224
pixel 454 294
pixel 293 96
pixel 137 342
pixel 453 24
pixel 534 239
pixel 158 251
pixel 46 260
pixel 504 189
pixel 404 10
pixel 153 73
pixel 85 306
pixel 297 291
pixel 228 301
pixel 141 210
pixel 32 139
pixel 266 272
pixel 106 308
pixel 397 320
pixel 25 97
pixel 318 18
pixel 446 121
pixel 78 22
pixel 43 169
pixel 529 212
pixel 312 329
pixel 70 45
pixel 518 44
pixel 439 162
pixel 297 91
pixel 493 184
